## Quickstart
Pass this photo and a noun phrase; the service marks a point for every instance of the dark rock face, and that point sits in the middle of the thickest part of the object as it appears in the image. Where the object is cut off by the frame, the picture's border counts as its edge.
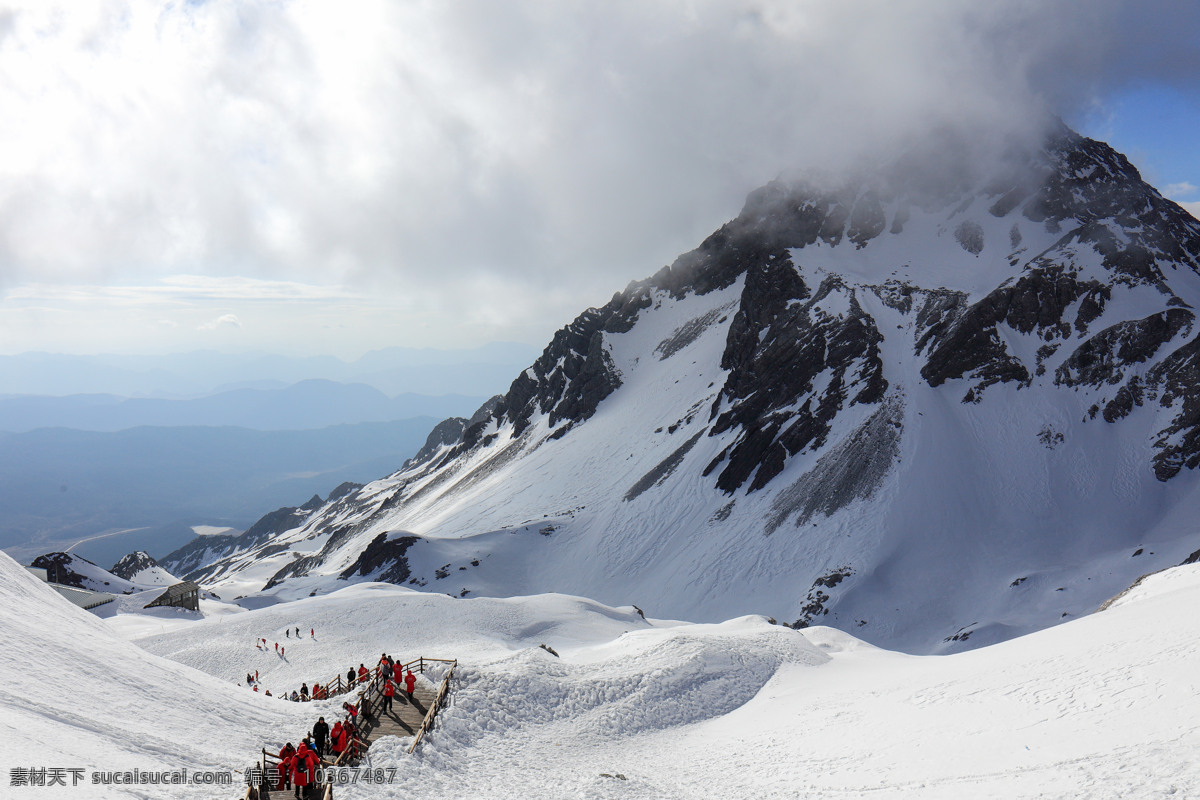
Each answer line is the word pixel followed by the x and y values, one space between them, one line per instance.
pixel 775 351
pixel 343 490
pixel 815 605
pixel 574 373
pixel 1178 378
pixel 384 554
pixel 963 341
pixel 132 564
pixel 1102 359
pixel 1088 181
pixel 58 569
pixel 851 471
pixel 445 433
pixel 193 560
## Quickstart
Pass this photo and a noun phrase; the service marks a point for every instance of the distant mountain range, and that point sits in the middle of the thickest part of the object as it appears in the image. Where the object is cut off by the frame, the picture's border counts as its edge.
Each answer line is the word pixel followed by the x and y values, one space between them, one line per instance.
pixel 395 370
pixel 306 405
pixel 58 486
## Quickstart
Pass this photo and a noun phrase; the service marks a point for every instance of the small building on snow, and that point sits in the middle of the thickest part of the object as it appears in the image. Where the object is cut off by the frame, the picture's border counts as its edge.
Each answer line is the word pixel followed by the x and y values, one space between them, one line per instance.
pixel 185 594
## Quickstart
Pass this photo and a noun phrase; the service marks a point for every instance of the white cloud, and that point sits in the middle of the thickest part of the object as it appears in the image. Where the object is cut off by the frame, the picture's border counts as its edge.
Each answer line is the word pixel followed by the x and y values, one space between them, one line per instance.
pixel 385 147
pixel 223 321
pixel 1177 190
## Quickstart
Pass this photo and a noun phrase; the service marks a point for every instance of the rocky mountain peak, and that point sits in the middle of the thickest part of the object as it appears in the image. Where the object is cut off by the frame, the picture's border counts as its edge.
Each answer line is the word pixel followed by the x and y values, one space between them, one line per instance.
pixel 946 383
pixel 132 564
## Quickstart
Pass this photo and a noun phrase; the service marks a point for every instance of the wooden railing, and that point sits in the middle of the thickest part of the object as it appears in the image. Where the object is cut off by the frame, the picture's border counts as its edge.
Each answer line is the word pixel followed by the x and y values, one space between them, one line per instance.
pixel 370 698
pixel 427 723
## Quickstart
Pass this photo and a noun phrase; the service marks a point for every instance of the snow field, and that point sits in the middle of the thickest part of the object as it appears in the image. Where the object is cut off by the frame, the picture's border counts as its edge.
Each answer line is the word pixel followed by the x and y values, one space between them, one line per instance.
pixel 1101 707
pixel 75 695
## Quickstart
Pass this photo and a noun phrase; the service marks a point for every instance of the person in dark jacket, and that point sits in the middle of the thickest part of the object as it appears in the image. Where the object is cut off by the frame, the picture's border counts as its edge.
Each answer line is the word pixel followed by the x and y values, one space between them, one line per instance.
pixel 350 678
pixel 304 691
pixel 320 733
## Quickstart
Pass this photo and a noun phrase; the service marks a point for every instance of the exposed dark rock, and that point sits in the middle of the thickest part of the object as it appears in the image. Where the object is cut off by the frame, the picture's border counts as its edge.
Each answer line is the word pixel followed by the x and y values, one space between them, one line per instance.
pixel 1102 359
pixel 1177 377
pixel 386 555
pixel 852 471
pixel 575 372
pixel 687 333
pixel 343 490
pixel 815 604
pixel 774 352
pixel 58 569
pixel 969 235
pixel 132 564
pixel 446 433
pixel 867 220
pixel 964 342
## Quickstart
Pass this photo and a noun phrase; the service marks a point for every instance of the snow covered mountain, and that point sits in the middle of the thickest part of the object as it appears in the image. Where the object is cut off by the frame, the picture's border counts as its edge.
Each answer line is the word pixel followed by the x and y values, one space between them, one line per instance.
pixel 939 405
pixel 140 569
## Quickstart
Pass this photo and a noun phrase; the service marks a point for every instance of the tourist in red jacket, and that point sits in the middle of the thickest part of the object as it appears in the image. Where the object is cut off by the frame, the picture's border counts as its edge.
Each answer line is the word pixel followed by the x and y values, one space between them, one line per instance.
pixel 410 683
pixel 285 766
pixel 363 672
pixel 389 689
pixel 336 742
pixel 304 769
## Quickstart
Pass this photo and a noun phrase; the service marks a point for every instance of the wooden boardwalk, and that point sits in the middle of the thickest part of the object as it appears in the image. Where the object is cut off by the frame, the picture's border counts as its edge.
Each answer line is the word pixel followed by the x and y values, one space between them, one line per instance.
pixel 405 716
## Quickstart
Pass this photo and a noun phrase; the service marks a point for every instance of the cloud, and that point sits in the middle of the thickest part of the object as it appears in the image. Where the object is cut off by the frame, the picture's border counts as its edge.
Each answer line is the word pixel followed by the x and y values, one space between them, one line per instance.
pixel 182 289
pixel 383 147
pixel 223 321
pixel 1174 190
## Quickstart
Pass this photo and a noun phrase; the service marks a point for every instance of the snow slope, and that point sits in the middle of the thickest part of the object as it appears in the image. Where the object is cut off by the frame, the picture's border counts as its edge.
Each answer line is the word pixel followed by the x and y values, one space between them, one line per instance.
pixel 74 694
pixel 1100 707
pixel 934 421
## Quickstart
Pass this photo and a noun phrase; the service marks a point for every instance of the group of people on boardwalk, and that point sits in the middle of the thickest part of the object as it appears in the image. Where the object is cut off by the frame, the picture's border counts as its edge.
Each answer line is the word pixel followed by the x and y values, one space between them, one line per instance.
pixel 324 745
pixel 390 675
pixel 297 766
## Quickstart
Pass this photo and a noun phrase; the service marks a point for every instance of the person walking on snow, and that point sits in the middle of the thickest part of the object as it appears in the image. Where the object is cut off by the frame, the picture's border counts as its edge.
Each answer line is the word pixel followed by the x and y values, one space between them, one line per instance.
pixel 388 690
pixel 336 743
pixel 303 770
pixel 297 633
pixel 282 651
pixel 288 633
pixel 277 647
pixel 285 766
pixel 312 633
pixel 320 733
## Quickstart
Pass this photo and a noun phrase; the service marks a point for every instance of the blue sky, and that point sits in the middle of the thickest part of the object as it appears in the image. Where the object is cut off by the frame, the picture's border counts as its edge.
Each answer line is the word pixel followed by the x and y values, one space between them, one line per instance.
pixel 1156 127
